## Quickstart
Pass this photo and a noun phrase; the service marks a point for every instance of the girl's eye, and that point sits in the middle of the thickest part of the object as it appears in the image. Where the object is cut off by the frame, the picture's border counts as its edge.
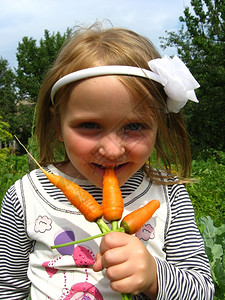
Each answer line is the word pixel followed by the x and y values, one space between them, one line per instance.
pixel 134 127
pixel 89 125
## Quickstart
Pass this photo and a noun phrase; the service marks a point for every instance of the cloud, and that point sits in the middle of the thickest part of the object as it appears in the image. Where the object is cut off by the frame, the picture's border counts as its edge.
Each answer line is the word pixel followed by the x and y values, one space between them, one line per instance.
pixel 42 224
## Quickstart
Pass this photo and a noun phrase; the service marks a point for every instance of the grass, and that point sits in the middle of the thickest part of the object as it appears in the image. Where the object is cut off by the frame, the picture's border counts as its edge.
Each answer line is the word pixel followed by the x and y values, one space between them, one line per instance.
pixel 12 168
pixel 207 194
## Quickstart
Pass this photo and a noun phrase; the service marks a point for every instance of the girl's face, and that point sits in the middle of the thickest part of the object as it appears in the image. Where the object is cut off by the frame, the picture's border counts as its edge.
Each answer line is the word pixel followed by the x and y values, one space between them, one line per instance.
pixel 101 127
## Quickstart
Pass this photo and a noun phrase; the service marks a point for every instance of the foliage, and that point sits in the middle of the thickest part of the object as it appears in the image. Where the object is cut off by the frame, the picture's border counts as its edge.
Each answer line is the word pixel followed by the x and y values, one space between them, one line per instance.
pixel 214 238
pixel 7 93
pixel 16 113
pixel 3 155
pixel 34 61
pixel 200 43
pixel 33 148
pixel 207 194
pixel 24 120
pixel 19 90
pixel 4 136
pixel 14 167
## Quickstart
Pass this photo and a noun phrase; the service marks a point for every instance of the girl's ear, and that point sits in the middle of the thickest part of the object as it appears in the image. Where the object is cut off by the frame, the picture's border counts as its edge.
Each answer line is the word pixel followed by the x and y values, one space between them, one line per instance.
pixel 57 126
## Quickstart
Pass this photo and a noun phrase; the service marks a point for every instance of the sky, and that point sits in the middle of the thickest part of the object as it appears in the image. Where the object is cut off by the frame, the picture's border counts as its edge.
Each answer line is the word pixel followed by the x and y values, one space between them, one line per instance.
pixel 19 18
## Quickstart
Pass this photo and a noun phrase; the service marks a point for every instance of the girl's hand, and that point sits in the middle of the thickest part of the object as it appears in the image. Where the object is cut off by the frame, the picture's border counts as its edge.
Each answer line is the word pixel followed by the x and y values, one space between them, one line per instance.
pixel 129 266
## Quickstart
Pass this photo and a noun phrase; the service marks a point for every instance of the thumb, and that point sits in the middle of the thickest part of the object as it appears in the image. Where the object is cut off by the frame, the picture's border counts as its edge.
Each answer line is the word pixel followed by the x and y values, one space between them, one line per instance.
pixel 97 266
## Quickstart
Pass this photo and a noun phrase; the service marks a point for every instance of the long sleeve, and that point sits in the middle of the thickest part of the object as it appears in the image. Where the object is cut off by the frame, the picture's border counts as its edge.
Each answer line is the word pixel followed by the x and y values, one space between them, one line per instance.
pixel 185 274
pixel 15 247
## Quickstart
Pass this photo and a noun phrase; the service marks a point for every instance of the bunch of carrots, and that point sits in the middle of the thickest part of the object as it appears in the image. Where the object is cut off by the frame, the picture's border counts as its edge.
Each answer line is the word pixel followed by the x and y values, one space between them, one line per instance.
pixel 112 203
pixel 111 209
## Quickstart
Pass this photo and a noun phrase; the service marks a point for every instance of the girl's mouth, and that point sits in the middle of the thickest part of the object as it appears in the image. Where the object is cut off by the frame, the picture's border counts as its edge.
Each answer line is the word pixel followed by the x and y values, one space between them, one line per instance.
pixel 103 167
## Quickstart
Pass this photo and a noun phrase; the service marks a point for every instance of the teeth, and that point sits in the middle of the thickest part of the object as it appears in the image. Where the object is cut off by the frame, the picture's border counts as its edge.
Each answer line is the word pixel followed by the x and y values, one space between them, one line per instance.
pixel 107 166
pixel 99 166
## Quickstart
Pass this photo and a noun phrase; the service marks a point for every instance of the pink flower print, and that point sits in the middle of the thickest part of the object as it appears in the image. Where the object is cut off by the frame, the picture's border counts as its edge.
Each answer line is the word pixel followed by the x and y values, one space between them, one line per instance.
pixel 49 267
pixel 146 232
pixel 42 224
pixel 83 256
pixel 84 291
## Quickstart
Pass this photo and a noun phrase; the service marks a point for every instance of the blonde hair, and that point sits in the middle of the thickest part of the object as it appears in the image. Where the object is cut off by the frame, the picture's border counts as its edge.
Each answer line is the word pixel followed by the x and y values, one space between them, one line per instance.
pixel 97 46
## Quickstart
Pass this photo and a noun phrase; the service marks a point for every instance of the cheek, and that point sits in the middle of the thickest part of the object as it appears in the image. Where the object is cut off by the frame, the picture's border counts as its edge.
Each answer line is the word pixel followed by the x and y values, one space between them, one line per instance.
pixel 141 149
pixel 79 146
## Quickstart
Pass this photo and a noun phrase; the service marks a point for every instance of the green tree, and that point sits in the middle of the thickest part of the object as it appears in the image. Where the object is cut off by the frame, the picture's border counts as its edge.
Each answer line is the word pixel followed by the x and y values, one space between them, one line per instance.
pixel 4 137
pixel 34 61
pixel 4 133
pixel 200 43
pixel 7 93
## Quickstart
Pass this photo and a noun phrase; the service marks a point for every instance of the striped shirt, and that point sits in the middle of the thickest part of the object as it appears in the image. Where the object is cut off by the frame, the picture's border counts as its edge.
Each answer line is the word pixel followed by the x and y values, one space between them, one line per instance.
pixel 185 274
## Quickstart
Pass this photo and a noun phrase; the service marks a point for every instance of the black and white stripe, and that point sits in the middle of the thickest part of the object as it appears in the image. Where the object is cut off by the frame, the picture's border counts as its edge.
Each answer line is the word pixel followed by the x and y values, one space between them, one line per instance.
pixel 15 247
pixel 186 271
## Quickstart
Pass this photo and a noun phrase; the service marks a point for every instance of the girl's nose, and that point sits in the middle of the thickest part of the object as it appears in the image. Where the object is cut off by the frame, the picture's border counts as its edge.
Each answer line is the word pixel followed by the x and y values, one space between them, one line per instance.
pixel 111 146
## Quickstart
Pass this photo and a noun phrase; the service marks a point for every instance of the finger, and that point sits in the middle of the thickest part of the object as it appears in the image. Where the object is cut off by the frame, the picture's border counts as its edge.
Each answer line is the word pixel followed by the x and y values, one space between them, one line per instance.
pixel 125 285
pixel 118 272
pixel 113 240
pixel 97 266
pixel 114 256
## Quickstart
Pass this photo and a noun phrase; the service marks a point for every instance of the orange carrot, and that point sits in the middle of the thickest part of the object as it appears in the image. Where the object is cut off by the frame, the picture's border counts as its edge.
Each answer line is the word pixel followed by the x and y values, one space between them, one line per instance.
pixel 112 202
pixel 136 219
pixel 77 196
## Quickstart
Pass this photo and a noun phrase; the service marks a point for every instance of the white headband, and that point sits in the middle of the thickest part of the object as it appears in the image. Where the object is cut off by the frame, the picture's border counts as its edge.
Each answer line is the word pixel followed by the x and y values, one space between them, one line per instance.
pixel 178 82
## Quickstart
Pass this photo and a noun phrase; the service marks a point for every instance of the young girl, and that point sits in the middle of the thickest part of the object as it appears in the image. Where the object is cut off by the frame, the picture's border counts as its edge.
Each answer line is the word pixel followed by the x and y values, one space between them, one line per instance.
pixel 109 101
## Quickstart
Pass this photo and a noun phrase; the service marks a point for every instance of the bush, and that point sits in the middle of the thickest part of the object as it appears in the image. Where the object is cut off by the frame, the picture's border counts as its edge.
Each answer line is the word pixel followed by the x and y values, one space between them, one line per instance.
pixel 207 194
pixel 214 238
pixel 13 168
pixel 3 155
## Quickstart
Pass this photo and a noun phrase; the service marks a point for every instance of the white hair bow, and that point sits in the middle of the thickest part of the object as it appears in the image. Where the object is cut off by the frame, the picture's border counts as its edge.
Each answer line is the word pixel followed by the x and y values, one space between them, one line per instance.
pixel 177 80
